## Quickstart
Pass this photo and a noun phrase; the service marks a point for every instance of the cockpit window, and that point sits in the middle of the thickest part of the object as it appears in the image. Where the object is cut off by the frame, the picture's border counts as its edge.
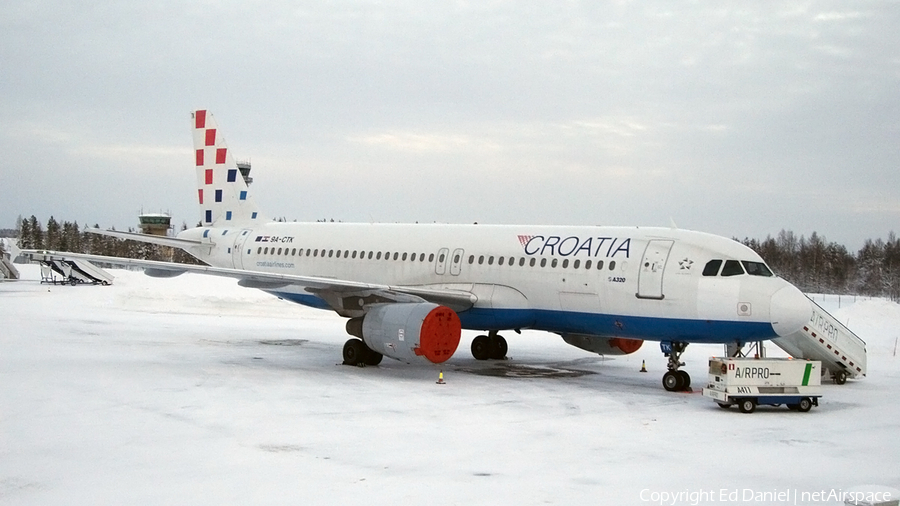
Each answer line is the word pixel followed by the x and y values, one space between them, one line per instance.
pixel 732 268
pixel 712 267
pixel 757 269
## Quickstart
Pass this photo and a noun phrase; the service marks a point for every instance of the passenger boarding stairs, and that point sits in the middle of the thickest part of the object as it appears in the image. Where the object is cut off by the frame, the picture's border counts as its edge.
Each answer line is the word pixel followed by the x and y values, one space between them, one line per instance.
pixel 7 269
pixel 71 271
pixel 826 339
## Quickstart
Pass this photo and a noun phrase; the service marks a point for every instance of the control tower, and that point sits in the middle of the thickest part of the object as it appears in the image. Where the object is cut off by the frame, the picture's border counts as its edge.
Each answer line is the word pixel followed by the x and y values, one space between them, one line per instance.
pixel 155 224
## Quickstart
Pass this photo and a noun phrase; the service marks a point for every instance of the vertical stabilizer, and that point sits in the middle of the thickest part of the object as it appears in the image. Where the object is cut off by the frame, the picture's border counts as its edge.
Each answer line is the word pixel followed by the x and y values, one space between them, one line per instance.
pixel 223 194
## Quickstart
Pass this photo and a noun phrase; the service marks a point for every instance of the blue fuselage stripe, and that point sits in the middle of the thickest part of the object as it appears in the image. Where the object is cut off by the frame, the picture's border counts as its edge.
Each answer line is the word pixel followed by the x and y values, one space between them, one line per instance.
pixel 631 327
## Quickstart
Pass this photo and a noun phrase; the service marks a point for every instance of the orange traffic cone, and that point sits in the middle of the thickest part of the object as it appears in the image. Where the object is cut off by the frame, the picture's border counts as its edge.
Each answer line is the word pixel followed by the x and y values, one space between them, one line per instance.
pixel 643 366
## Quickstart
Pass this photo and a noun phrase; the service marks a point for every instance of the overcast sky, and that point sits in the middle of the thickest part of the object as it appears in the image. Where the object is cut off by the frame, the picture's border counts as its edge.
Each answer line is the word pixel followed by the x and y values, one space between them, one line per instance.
pixel 737 118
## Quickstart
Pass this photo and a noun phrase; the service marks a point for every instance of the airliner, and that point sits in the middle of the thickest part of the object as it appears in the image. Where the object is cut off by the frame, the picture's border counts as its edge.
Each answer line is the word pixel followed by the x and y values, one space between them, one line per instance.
pixel 408 290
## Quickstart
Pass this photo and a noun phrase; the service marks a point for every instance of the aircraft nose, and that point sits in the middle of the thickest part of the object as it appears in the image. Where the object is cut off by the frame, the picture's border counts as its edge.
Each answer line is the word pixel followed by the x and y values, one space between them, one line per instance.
pixel 790 310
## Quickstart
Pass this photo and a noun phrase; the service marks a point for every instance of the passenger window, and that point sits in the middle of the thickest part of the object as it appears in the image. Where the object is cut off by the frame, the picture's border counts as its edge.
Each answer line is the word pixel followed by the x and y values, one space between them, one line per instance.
pixel 565 263
pixel 471 259
pixel 480 259
pixel 378 256
pixel 500 261
pixel 441 258
pixel 431 257
pixel 491 260
pixel 599 265
pixel 258 250
pixel 521 261
pixel 294 252
pixel 396 255
pixel 712 267
pixel 456 259
pixel 543 262
pixel 421 257
pixel 404 257
pixel 757 269
pixel 531 263
pixel 587 264
pixel 612 265
pixel 553 263
pixel 732 268
pixel 576 264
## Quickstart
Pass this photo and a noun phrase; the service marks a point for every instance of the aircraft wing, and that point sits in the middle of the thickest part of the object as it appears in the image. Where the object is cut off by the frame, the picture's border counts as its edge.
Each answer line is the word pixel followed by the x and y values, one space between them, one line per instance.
pixel 348 298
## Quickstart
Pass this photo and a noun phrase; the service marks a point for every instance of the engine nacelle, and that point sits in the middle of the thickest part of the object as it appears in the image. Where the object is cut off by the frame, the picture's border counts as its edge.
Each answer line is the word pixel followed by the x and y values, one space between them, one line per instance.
pixel 603 345
pixel 409 331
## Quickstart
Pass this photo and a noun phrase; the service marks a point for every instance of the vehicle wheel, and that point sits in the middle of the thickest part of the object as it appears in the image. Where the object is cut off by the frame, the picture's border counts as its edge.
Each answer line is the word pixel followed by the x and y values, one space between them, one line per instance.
pixel 354 352
pixel 498 347
pixel 747 405
pixel 723 405
pixel 673 381
pixel 372 357
pixel 805 405
pixel 481 348
pixel 685 379
pixel 840 378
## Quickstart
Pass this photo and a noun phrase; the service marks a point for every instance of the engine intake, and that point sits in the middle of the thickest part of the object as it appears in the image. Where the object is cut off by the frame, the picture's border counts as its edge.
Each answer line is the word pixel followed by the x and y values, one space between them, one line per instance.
pixel 408 331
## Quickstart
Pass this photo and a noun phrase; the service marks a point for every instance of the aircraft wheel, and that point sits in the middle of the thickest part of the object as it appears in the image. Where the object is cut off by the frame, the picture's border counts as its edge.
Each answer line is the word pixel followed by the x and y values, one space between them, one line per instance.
pixel 840 378
pixel 805 405
pixel 499 347
pixel 355 352
pixel 685 379
pixel 481 348
pixel 672 381
pixel 372 357
pixel 747 405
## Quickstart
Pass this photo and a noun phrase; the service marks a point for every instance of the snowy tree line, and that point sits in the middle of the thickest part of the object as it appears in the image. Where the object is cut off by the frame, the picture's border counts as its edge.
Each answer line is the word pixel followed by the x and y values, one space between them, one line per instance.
pixel 817 266
pixel 69 236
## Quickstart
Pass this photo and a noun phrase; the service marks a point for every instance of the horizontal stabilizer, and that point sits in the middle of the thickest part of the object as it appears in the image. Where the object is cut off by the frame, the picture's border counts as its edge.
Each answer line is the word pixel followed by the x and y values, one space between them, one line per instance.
pixel 173 242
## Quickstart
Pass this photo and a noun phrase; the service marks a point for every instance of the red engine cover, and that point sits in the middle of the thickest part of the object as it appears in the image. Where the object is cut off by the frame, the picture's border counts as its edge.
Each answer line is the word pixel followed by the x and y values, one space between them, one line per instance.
pixel 439 335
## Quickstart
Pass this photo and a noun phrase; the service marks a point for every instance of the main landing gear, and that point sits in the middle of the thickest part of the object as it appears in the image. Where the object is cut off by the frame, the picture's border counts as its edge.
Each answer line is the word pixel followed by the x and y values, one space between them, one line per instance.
pixel 357 353
pixel 675 380
pixel 492 346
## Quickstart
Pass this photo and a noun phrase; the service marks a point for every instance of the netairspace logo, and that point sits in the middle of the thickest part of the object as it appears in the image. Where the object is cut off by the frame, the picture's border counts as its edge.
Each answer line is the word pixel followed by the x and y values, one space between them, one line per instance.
pixel 773 496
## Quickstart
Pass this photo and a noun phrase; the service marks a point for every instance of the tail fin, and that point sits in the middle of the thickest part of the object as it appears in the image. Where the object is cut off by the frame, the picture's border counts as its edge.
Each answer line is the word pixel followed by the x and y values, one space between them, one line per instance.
pixel 223 192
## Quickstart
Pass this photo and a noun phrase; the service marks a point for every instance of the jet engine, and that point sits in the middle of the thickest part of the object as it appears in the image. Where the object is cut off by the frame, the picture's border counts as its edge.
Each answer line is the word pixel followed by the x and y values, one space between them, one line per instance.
pixel 409 331
pixel 603 345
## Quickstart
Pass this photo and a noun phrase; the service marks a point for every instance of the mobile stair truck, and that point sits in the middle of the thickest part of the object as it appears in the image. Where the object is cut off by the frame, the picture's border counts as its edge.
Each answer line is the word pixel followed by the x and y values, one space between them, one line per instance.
pixel 748 382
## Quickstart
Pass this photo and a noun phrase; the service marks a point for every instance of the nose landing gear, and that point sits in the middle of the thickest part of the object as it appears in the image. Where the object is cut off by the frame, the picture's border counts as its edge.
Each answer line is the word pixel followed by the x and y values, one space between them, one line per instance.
pixel 675 380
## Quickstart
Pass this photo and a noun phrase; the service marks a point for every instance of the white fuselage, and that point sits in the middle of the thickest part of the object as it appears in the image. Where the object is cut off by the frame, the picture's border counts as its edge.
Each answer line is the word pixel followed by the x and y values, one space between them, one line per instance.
pixel 628 282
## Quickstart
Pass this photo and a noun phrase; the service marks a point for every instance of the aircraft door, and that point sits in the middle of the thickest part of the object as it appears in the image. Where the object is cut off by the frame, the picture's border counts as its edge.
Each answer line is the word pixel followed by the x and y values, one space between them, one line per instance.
pixel 650 276
pixel 237 254
pixel 440 265
pixel 456 261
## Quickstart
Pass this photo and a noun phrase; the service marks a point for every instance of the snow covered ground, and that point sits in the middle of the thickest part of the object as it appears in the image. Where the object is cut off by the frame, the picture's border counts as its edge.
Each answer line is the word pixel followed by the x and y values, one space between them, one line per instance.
pixel 196 391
